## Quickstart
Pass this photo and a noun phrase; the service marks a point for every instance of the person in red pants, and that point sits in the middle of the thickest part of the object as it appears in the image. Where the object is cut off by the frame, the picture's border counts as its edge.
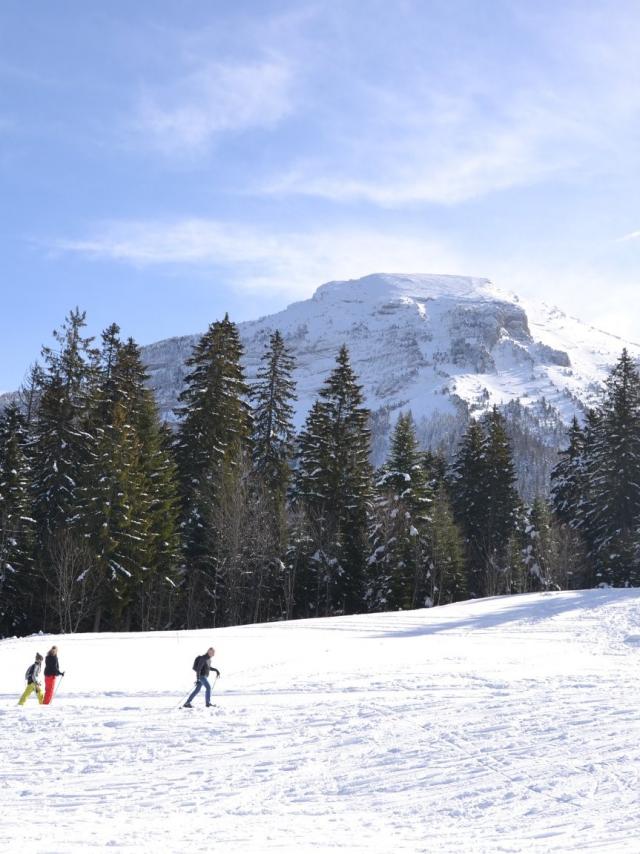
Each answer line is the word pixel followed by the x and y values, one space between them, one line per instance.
pixel 51 671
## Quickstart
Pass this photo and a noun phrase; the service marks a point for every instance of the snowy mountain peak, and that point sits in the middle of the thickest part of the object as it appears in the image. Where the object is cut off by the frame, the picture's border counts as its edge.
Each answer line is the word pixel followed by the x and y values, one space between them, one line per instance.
pixel 381 287
pixel 440 345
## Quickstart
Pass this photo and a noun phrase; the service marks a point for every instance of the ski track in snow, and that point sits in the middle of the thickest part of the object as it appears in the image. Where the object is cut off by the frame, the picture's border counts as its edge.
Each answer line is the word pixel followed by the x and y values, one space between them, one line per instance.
pixel 502 725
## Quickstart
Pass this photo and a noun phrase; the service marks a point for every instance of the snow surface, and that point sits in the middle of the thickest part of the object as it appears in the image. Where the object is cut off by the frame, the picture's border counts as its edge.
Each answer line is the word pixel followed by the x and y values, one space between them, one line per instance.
pixel 500 725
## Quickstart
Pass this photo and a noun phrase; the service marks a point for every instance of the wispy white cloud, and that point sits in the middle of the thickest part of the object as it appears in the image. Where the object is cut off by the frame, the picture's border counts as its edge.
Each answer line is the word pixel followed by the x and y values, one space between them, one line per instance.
pixel 447 149
pixel 386 118
pixel 188 115
pixel 480 124
pixel 424 164
pixel 633 235
pixel 252 259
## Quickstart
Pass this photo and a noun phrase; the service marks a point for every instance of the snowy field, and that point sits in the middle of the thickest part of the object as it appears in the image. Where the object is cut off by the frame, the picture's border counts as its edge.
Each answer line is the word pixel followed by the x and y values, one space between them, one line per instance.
pixel 503 725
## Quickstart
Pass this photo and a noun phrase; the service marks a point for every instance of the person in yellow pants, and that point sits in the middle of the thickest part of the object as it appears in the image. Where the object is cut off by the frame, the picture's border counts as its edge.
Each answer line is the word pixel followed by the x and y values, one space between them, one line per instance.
pixel 33 681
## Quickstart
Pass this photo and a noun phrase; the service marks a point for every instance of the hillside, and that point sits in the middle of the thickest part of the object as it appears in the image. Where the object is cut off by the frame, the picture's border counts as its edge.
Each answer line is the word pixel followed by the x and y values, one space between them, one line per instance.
pixel 505 724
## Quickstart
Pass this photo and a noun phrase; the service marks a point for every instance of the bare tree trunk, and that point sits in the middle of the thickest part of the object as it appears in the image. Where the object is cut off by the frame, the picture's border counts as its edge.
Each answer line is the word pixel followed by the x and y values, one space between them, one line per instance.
pixel 72 580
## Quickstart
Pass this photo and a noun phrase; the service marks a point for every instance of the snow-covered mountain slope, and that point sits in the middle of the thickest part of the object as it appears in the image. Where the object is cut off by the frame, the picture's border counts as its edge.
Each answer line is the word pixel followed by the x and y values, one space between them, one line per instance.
pixel 434 344
pixel 507 724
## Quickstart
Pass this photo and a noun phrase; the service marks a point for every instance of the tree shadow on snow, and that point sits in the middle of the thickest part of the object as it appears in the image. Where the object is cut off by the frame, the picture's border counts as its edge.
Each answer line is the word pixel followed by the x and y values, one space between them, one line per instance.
pixel 519 608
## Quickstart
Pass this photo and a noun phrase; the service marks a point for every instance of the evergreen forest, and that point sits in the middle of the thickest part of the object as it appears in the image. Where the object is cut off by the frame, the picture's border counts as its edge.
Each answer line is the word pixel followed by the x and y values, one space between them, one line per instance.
pixel 112 520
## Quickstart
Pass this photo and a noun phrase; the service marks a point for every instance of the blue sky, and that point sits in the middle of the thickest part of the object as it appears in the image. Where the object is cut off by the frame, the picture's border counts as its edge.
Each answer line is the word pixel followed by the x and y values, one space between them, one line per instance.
pixel 162 163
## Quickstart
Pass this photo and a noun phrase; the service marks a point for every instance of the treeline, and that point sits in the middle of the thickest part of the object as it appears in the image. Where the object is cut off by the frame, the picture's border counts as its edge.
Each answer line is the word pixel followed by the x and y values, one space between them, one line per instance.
pixel 596 484
pixel 110 520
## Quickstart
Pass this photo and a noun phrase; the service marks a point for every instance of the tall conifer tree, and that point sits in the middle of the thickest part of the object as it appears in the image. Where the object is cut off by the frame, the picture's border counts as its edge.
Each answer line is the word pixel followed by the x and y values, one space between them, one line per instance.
pixel 503 503
pixel 399 567
pixel 568 477
pixel 17 587
pixel 63 445
pixel 132 497
pixel 213 439
pixel 612 516
pixel 447 581
pixel 485 501
pixel 273 394
pixel 333 483
pixel 469 497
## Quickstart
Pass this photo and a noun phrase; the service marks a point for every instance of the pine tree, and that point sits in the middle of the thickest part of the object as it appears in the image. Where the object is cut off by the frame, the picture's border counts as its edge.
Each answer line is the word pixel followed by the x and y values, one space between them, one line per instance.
pixel 62 445
pixel 333 483
pixel 30 392
pixel 132 497
pixel 349 476
pixel 553 555
pixel 273 434
pixel 126 517
pixel 156 573
pixel 296 587
pixel 612 516
pixel 571 500
pixel 16 526
pixel 435 467
pixel 314 449
pixel 587 479
pixel 469 502
pixel 102 493
pixel 213 439
pixel 486 502
pixel 446 578
pixel 399 567
pixel 502 498
pixel 568 477
pixel 158 605
pixel 539 551
pixel 310 554
pixel 273 439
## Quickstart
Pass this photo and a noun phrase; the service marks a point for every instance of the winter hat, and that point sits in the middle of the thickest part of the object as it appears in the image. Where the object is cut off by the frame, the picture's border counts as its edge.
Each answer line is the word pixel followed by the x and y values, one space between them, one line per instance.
pixel 38 656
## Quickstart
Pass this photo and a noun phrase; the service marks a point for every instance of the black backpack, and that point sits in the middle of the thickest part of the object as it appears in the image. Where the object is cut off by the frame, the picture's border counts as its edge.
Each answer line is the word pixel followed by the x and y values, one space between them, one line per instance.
pixel 29 674
pixel 197 663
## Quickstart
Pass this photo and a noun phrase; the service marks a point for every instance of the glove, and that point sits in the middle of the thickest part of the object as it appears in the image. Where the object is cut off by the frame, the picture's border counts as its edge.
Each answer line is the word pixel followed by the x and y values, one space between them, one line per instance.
pixel 62 674
pixel 217 672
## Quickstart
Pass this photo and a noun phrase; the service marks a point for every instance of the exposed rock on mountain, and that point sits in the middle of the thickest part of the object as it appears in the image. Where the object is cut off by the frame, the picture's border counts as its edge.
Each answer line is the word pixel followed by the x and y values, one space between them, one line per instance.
pixel 434 344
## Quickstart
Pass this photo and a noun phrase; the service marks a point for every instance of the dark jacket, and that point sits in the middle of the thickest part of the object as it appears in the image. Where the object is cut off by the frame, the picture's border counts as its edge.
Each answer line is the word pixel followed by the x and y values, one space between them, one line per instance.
pixel 51 667
pixel 205 668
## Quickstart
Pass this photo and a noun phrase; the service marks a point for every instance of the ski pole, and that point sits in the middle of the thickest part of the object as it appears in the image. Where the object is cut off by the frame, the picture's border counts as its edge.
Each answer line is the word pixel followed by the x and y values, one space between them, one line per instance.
pixel 56 686
pixel 184 699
